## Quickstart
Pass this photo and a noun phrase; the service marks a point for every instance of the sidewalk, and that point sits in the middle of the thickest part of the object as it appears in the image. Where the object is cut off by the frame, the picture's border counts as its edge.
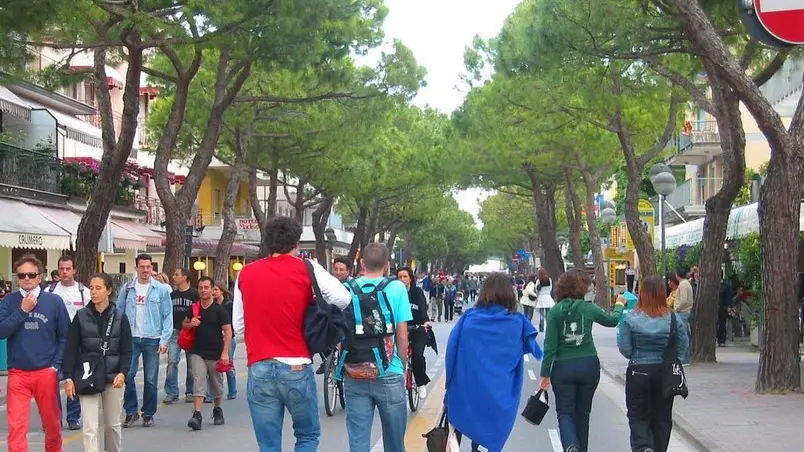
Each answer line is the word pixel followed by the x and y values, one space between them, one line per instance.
pixel 722 412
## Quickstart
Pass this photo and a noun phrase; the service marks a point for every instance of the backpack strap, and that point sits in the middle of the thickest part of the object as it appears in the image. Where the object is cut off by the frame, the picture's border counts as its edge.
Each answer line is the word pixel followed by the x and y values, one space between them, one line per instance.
pixel 80 292
pixel 52 287
pixel 382 296
pixel 313 281
pixel 196 309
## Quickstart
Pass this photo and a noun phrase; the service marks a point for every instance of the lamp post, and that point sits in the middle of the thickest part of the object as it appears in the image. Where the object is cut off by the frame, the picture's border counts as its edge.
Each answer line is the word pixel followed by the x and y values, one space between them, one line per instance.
pixel 331 239
pixel 664 183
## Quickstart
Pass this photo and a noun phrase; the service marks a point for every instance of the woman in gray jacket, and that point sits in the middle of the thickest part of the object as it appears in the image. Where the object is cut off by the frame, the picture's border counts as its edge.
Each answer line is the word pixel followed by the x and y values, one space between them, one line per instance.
pixel 642 337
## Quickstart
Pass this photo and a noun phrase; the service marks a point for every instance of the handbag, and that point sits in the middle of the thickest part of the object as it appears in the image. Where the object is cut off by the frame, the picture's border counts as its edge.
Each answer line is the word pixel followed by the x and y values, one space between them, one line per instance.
pixel 674 381
pixel 223 368
pixel 324 324
pixel 90 375
pixel 438 437
pixel 187 335
pixel 536 408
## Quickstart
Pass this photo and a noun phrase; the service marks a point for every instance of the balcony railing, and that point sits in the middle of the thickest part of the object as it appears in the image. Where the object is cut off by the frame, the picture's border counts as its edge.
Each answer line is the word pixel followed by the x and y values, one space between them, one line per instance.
pixel 698 132
pixel 694 192
pixel 154 212
pixel 785 82
pixel 682 196
pixel 29 169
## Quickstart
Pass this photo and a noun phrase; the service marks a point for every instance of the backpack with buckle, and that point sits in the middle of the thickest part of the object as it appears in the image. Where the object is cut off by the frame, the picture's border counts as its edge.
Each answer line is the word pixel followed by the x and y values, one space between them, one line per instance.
pixel 370 345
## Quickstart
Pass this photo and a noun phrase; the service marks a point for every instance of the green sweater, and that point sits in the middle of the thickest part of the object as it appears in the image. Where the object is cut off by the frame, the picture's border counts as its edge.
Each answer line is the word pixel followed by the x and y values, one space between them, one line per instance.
pixel 569 331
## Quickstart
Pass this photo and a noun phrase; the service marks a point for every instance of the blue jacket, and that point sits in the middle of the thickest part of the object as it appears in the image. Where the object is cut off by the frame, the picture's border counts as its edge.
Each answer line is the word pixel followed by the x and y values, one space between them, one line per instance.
pixel 642 339
pixel 159 315
pixel 36 340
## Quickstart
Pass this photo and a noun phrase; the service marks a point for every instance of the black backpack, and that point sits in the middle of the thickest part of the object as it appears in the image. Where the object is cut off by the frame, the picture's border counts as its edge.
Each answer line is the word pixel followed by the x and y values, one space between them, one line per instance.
pixel 324 324
pixel 369 345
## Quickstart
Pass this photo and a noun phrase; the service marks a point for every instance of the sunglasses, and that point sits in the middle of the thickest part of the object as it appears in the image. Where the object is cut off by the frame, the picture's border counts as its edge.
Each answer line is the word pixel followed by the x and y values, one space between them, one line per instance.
pixel 27 275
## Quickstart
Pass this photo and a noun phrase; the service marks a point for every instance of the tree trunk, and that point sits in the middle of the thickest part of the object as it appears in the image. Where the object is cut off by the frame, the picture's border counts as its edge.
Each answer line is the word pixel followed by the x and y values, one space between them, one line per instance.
pixel 359 233
pixel 392 235
pixel 270 205
pixel 224 248
pixel 113 161
pixel 591 182
pixel 718 208
pixel 320 218
pixel 544 198
pixel 371 229
pixel 574 218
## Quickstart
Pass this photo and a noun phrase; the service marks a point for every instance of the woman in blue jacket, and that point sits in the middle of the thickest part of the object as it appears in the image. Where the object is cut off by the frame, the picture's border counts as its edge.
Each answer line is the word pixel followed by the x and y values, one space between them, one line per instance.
pixel 642 338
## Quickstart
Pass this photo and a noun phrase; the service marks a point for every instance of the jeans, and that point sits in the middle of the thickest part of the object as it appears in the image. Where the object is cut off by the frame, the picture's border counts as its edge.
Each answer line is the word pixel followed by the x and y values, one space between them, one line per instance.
pixel 107 424
pixel 73 408
pixel 436 308
pixel 543 318
pixel 388 396
pixel 574 383
pixel 42 386
pixel 527 311
pixel 172 371
pixel 685 358
pixel 650 414
pixel 273 386
pixel 449 310
pixel 149 349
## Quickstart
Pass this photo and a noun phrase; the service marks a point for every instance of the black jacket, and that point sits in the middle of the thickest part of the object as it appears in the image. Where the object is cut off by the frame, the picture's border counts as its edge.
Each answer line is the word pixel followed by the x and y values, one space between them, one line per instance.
pixel 85 335
pixel 418 306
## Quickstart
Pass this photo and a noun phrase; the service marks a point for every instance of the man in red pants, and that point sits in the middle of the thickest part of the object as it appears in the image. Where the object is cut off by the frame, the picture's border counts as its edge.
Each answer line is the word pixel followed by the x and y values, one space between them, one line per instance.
pixel 35 322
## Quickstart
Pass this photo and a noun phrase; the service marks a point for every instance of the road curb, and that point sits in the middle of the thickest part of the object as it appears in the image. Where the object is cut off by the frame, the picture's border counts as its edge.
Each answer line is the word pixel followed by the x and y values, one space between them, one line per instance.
pixel 693 436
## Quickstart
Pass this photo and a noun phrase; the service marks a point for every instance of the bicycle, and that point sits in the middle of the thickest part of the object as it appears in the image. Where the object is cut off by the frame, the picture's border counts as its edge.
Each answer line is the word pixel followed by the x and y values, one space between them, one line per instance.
pixel 333 389
pixel 410 382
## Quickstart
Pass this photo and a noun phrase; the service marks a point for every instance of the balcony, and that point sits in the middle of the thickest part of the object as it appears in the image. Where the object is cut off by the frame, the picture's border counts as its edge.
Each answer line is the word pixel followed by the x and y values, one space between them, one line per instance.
pixel 29 174
pixel 154 212
pixel 784 89
pixel 697 144
pixel 689 198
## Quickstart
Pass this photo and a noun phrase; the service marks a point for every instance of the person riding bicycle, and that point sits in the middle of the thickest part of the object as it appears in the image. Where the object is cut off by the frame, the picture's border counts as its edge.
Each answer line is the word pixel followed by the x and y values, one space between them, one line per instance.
pixel 417 329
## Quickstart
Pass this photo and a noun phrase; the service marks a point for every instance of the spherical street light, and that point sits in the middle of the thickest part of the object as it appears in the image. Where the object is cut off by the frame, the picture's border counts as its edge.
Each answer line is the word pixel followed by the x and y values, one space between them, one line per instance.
pixel 561 238
pixel 609 215
pixel 237 266
pixel 658 169
pixel 199 266
pixel 664 183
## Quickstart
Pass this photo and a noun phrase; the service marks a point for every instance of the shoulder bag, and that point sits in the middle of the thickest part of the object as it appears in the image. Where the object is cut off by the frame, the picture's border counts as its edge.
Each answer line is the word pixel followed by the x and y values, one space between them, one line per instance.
pixel 187 335
pixel 90 373
pixel 674 382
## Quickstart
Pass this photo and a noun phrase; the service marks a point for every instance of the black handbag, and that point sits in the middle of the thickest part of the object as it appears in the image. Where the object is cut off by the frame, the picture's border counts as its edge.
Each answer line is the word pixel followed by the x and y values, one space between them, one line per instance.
pixel 536 408
pixel 324 324
pixel 90 373
pixel 438 437
pixel 674 382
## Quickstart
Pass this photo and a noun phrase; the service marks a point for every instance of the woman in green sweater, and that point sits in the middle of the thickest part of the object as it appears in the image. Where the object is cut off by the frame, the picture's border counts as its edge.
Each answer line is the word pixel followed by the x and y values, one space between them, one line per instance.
pixel 570 360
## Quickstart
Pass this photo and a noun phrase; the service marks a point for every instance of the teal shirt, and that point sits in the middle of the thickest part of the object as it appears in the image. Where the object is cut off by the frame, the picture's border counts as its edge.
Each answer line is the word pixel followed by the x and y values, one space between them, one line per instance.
pixel 397 295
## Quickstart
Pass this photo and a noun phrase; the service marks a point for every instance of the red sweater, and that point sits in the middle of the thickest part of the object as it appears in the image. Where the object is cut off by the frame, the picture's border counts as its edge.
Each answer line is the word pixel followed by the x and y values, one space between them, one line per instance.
pixel 276 292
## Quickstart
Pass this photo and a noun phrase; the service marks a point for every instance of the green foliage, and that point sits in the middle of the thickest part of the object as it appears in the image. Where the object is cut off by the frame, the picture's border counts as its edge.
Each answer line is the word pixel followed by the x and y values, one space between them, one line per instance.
pixel 508 221
pixel 450 239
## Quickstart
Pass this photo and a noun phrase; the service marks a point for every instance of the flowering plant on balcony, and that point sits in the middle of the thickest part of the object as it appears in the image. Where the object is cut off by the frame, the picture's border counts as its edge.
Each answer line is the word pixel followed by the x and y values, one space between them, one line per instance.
pixel 81 177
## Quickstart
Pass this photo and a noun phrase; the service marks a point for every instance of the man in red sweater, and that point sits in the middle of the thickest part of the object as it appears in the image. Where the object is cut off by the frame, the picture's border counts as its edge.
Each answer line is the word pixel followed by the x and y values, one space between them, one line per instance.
pixel 270 299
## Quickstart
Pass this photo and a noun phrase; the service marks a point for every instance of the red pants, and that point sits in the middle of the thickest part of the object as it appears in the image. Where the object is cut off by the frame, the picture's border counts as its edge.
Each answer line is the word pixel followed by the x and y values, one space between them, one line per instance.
pixel 42 386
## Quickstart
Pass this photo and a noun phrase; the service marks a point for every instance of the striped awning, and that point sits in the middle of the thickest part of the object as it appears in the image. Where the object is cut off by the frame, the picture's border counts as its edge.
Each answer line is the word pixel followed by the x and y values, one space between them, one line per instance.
pixel 13 105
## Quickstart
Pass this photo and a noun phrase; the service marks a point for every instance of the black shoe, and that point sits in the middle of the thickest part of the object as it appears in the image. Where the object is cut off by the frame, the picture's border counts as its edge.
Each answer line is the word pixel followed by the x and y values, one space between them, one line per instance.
pixel 130 420
pixel 217 416
pixel 320 370
pixel 147 421
pixel 195 421
pixel 74 425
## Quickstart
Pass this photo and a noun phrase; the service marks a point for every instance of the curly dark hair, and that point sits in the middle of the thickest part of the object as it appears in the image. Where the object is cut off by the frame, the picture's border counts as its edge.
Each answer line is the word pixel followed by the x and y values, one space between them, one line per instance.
pixel 497 289
pixel 282 234
pixel 573 285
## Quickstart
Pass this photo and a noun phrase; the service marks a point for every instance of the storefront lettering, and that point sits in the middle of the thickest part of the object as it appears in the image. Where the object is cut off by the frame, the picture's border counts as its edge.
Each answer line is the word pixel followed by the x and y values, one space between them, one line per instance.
pixel 31 240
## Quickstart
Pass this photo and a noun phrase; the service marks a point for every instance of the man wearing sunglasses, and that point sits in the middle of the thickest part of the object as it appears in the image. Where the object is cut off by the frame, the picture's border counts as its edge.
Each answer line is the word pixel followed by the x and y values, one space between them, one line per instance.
pixel 35 322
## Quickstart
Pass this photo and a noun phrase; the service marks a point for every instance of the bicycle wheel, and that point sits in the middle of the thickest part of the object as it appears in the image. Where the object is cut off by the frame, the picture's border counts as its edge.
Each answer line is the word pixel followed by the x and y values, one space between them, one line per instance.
pixel 341 396
pixel 413 396
pixel 330 385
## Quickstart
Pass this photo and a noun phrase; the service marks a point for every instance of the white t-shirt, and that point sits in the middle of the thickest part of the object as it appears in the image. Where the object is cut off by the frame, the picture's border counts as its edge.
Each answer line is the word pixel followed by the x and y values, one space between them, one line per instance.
pixel 72 297
pixel 137 328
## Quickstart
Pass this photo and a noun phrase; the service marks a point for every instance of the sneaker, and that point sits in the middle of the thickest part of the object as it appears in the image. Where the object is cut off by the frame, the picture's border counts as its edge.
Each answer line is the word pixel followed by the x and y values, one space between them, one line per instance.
pixel 231 396
pixel 217 416
pixel 74 425
pixel 195 421
pixel 320 370
pixel 170 400
pixel 130 420
pixel 147 421
pixel 189 398
pixel 422 392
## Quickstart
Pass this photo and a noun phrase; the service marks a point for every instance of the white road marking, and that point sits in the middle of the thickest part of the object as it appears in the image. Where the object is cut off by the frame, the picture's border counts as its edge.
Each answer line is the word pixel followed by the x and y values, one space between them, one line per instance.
pixel 555 439
pixel 531 374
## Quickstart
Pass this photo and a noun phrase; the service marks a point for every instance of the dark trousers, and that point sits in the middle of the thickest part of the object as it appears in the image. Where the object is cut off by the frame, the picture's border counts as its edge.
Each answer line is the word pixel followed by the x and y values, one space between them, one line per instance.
pixel 574 383
pixel 528 311
pixel 722 318
pixel 449 309
pixel 650 415
pixel 418 341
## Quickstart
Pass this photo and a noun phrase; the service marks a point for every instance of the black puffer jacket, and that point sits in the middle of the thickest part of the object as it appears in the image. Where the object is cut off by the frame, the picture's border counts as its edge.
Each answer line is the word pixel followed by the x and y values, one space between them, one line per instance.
pixel 85 335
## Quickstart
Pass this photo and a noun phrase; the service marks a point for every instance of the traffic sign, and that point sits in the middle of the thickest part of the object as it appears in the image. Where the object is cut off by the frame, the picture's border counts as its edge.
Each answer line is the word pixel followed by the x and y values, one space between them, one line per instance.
pixel 782 18
pixel 515 258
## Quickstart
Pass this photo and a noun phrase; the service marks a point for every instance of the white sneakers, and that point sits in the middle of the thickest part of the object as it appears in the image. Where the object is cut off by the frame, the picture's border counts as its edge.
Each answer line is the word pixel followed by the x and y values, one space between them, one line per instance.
pixel 422 392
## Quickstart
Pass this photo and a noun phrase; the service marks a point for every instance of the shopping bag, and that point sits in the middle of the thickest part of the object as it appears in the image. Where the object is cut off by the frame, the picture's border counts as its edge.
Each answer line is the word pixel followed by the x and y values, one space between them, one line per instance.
pixel 438 438
pixel 536 408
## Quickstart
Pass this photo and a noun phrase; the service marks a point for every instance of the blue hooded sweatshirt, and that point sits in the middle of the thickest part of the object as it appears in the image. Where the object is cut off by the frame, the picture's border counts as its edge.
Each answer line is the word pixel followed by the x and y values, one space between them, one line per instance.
pixel 485 372
pixel 36 340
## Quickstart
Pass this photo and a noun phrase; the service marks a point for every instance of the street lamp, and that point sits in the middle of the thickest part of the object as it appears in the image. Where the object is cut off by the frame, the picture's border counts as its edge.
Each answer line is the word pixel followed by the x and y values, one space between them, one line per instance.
pixel 199 266
pixel 664 183
pixel 331 239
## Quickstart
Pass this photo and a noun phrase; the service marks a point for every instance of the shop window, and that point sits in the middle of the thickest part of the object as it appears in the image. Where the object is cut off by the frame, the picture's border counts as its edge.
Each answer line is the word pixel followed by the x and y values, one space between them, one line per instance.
pixel 122 268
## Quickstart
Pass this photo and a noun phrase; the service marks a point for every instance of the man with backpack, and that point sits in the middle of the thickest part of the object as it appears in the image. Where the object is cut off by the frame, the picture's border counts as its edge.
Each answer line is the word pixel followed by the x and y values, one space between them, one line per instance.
pixel 75 297
pixel 373 363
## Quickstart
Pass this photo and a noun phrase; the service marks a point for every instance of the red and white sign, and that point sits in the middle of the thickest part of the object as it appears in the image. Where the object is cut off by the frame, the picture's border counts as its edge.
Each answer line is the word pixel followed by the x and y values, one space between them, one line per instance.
pixel 515 258
pixel 247 223
pixel 784 19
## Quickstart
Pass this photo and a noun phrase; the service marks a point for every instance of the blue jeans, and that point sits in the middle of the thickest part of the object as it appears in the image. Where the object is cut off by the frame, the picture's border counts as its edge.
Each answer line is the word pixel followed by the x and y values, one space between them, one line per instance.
pixel 172 371
pixel 73 408
pixel 272 387
pixel 149 349
pixel 574 383
pixel 386 395
pixel 685 358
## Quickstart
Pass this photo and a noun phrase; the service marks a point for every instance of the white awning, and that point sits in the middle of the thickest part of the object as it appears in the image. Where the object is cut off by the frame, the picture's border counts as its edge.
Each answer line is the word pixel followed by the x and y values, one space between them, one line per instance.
pixel 123 238
pixel 63 218
pixel 77 129
pixel 23 226
pixel 13 105
pixel 152 238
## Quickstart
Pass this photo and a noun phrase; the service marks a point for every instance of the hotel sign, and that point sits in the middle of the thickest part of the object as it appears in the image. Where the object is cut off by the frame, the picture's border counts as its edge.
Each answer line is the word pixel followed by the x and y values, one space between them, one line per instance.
pixel 247 224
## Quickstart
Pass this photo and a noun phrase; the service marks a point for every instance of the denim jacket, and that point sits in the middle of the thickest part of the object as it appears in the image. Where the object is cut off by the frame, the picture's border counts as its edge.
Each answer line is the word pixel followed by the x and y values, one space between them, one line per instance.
pixel 642 339
pixel 158 317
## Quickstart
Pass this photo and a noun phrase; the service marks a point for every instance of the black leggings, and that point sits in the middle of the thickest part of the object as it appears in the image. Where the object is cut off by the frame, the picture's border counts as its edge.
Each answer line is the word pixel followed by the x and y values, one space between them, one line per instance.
pixel 418 341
